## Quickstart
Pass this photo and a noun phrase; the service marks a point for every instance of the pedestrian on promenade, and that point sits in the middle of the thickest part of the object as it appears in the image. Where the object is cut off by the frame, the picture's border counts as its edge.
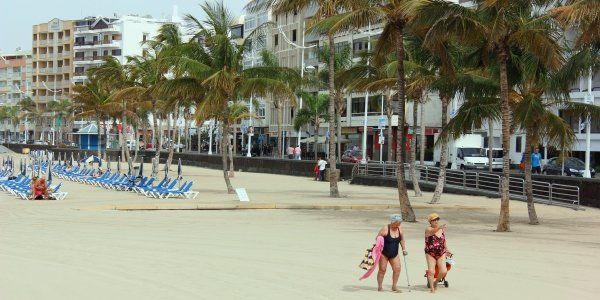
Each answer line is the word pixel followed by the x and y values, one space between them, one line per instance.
pixel 435 250
pixel 321 163
pixel 290 152
pixel 393 236
pixel 536 161
pixel 297 153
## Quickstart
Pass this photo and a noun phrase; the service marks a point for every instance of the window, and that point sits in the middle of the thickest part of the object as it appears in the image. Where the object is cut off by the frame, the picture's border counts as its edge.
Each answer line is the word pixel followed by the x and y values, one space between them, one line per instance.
pixel 518 144
pixel 237 32
pixel 358 106
pixel 250 23
pixel 276 38
pixel 116 52
pixel 294 35
pixel 262 111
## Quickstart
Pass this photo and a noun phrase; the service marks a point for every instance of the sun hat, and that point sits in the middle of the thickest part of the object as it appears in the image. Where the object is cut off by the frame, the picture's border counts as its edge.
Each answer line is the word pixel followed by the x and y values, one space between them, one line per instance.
pixel 432 217
pixel 395 218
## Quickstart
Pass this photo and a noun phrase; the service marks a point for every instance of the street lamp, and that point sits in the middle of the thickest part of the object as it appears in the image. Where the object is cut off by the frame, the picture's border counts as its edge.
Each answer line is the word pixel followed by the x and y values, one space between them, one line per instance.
pixel 364 138
pixel 589 99
pixel 54 92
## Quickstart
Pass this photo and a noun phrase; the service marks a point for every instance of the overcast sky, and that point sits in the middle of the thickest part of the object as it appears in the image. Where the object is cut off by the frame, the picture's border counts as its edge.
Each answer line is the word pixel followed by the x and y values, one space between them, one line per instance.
pixel 18 16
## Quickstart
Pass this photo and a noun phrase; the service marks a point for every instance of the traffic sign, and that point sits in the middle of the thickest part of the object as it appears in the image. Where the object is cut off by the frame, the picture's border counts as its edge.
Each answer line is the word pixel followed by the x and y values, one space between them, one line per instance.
pixel 382 122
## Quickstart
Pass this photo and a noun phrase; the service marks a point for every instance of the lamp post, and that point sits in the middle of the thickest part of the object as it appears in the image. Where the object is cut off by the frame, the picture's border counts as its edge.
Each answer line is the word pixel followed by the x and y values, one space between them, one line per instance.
pixel 589 99
pixel 54 91
pixel 210 136
pixel 364 138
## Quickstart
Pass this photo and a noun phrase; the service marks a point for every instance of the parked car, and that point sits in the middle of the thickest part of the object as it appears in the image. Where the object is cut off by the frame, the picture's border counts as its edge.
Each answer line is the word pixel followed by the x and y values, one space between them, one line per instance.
pixel 352 156
pixel 40 142
pixel 573 167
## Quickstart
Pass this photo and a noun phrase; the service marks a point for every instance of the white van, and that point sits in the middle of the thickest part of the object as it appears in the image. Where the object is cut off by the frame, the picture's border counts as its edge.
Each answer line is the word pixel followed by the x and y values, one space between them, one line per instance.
pixel 465 152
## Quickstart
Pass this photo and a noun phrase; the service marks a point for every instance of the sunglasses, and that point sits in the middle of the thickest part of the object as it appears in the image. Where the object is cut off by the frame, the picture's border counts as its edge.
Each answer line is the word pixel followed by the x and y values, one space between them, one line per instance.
pixel 436 219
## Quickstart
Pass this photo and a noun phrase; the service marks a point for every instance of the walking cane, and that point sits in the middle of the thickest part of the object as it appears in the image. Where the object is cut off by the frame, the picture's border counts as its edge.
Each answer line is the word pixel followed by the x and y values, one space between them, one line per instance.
pixel 406 267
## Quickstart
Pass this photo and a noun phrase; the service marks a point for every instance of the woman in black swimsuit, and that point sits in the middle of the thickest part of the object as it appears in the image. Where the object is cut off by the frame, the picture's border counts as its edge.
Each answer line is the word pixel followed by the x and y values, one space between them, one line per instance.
pixel 393 236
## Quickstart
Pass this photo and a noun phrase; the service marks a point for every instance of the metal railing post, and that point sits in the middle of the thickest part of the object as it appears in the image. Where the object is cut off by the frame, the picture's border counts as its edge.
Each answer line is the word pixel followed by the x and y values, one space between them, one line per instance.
pixel 550 193
pixel 477 180
pixel 464 179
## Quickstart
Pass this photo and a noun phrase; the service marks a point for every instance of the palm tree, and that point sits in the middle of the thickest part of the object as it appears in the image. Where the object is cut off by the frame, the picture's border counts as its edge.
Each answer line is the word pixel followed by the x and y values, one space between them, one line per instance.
pixel 581 16
pixel 61 110
pixel 212 71
pixel 313 113
pixel 28 106
pixel 92 99
pixel 397 16
pixel 497 28
pixel 114 76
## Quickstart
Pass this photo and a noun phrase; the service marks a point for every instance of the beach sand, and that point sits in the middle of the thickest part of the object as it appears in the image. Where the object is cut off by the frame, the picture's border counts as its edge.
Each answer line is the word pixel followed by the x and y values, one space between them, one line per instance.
pixel 81 248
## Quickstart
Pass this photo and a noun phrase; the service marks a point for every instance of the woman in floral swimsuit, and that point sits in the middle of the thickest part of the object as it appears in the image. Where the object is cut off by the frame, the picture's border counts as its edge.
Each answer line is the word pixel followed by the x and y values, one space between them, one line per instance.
pixel 435 250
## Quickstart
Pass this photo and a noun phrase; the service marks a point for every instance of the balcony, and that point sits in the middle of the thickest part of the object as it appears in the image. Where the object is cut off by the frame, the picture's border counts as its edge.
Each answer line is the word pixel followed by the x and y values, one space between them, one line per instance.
pixel 86 29
pixel 96 44
pixel 42 70
pixel 42 42
pixel 66 54
pixel 89 60
pixel 42 56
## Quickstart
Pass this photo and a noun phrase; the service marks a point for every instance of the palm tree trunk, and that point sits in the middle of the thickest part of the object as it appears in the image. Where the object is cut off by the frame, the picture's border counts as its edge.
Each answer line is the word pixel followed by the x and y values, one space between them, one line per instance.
pixel 224 146
pixel 199 142
pixel 105 133
pixel 390 133
pixel 504 218
pixel 439 188
pixel 231 150
pixel 333 186
pixel 137 138
pixel 490 145
pixel 407 212
pixel 316 136
pixel 339 135
pixel 422 132
pixel 123 133
pixel 413 151
pixel 173 138
pixel 158 141
pixel 99 136
pixel 533 220
pixel 277 150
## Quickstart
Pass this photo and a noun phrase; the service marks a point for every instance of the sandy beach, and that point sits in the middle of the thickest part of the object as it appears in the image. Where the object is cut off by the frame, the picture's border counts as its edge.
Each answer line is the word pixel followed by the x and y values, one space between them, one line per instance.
pixel 84 248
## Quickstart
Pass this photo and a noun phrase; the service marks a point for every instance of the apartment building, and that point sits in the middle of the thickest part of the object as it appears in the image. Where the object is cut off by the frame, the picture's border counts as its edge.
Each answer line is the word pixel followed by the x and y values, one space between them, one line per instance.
pixel 15 76
pixel 97 38
pixel 52 65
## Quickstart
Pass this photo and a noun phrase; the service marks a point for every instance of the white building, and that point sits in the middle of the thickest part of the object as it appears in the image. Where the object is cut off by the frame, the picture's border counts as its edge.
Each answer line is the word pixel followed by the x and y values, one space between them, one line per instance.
pixel 97 38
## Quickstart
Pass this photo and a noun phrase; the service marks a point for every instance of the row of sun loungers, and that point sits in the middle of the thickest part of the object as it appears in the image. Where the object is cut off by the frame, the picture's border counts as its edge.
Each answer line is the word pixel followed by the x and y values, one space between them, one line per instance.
pixel 166 188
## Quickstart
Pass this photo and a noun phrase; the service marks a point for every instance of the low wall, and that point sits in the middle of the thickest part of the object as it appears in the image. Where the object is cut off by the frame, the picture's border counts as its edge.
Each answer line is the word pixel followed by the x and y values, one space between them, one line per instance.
pixel 241 163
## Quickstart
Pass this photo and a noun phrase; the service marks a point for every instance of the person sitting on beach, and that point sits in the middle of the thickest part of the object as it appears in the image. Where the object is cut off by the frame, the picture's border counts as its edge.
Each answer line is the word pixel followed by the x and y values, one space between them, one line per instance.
pixel 435 250
pixel 393 236
pixel 39 189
